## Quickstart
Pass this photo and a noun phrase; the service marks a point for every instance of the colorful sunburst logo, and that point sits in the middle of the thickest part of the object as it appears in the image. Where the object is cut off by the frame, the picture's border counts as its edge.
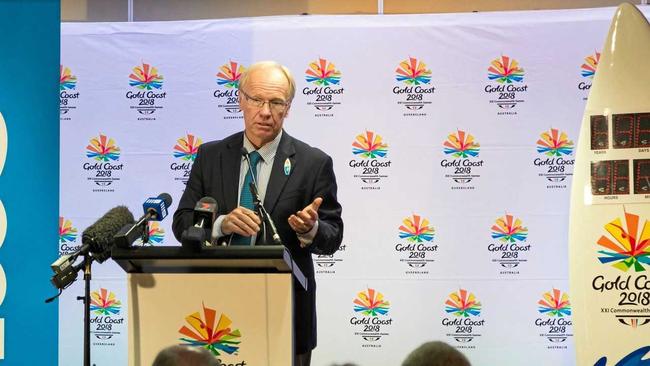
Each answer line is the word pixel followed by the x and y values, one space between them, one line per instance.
pixel 369 145
pixel 145 77
pixel 461 145
pixel 229 74
pixel 588 69
pixel 555 303
pixel 187 147
pixel 103 148
pixel 67 233
pixel 103 302
pixel 554 143
pixel 631 248
pixel 412 72
pixel 371 302
pixel 505 70
pixel 509 229
pixel 322 73
pixel 416 229
pixel 156 233
pixel 67 81
pixel 203 333
pixel 463 303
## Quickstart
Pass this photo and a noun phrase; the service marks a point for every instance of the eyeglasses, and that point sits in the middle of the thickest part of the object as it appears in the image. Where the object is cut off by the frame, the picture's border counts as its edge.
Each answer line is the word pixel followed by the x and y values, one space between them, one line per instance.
pixel 277 106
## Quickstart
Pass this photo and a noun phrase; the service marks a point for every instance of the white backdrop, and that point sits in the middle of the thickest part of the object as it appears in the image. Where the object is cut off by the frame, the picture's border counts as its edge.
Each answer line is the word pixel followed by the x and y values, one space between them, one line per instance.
pixel 456 194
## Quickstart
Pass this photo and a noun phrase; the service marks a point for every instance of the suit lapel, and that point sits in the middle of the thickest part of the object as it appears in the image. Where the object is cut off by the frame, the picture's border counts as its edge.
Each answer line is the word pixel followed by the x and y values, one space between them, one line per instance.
pixel 231 163
pixel 278 178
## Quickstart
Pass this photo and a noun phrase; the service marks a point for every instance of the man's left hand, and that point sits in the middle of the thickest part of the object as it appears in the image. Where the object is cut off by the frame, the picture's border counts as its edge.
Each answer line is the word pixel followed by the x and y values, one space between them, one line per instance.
pixel 302 221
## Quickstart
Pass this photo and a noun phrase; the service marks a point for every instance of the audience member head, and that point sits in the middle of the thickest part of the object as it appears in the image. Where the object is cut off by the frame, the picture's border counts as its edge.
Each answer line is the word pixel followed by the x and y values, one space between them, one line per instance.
pixel 185 356
pixel 436 354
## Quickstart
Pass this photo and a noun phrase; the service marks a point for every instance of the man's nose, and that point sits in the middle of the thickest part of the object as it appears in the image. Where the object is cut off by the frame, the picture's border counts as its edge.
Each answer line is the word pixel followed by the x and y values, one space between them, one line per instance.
pixel 266 108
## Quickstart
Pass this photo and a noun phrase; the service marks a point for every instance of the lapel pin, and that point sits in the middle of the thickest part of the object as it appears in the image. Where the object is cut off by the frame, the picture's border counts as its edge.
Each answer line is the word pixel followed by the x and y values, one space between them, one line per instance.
pixel 287 167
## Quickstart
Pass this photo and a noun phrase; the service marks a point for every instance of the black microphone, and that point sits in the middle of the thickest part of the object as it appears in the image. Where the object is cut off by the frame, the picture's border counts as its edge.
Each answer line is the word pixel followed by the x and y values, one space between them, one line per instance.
pixel 155 209
pixel 97 240
pixel 98 237
pixel 264 215
pixel 205 212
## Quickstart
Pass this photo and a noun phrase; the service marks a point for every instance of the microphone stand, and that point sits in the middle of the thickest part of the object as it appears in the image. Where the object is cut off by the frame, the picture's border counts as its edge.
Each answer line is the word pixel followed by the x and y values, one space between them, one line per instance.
pixel 87 263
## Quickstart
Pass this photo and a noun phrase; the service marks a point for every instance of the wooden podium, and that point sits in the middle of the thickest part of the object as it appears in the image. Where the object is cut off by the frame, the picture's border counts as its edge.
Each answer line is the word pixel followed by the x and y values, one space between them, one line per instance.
pixel 235 301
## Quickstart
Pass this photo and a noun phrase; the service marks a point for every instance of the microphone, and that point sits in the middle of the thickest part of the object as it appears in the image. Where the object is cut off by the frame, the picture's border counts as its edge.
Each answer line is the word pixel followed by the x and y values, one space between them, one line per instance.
pixel 205 212
pixel 97 239
pixel 155 209
pixel 264 215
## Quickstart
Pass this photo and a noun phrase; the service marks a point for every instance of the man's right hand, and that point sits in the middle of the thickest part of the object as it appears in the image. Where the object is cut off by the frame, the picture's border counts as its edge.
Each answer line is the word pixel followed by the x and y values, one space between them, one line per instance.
pixel 241 221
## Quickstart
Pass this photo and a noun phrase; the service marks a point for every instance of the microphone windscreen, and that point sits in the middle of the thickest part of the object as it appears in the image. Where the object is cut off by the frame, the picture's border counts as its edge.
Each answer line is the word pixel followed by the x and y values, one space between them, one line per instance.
pixel 99 236
pixel 167 198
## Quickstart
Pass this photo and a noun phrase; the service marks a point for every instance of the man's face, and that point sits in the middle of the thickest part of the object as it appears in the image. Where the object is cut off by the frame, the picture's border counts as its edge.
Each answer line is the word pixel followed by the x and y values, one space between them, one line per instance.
pixel 263 123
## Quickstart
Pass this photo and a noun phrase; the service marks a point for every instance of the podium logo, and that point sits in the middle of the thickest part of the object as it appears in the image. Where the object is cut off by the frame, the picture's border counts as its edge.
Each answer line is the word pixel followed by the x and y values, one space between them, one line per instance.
pixel 103 148
pixel 324 95
pixel 588 69
pixel 509 229
pixel 556 327
pixel 227 94
pixel 229 75
pixel 67 81
pixel 413 92
pixel 370 170
pixel 462 146
pixel 416 248
pixel 630 247
pixel 373 324
pixel 635 358
pixel 145 77
pixel 506 72
pixel 185 150
pixel 465 308
pixel 555 167
pixel 103 302
pixel 216 336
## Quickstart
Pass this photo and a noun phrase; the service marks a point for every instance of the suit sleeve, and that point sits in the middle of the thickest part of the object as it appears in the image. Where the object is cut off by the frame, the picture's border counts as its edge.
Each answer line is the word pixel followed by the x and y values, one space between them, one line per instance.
pixel 330 225
pixel 194 190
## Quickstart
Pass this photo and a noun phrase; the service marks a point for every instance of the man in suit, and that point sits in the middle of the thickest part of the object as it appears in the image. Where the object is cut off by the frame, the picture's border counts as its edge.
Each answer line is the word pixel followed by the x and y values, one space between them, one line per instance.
pixel 296 183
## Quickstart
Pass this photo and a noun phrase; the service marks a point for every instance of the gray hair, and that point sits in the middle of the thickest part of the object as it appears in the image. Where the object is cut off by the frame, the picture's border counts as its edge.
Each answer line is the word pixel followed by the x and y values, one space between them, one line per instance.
pixel 185 356
pixel 261 65
pixel 436 354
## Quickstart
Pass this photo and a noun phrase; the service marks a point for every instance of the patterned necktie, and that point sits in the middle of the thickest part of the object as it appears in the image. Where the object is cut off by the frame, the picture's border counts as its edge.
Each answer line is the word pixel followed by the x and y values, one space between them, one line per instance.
pixel 246 197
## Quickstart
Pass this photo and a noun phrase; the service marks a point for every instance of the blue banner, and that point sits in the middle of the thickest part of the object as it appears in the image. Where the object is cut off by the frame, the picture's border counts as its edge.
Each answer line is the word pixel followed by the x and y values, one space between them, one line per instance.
pixel 29 186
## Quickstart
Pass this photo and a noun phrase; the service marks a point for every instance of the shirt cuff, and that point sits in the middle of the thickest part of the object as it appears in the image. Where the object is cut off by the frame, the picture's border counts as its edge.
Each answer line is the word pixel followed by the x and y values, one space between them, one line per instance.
pixel 216 228
pixel 307 238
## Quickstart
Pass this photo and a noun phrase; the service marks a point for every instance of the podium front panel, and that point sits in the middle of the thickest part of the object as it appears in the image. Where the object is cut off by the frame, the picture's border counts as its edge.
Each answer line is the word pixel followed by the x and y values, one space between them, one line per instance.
pixel 244 319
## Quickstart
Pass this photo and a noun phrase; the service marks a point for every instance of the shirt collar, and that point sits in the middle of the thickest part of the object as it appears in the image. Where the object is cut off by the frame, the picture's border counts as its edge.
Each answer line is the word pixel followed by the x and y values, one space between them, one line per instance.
pixel 267 151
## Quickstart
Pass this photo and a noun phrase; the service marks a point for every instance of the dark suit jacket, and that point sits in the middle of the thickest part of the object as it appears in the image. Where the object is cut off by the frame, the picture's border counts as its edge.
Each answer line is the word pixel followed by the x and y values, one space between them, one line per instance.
pixel 215 173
